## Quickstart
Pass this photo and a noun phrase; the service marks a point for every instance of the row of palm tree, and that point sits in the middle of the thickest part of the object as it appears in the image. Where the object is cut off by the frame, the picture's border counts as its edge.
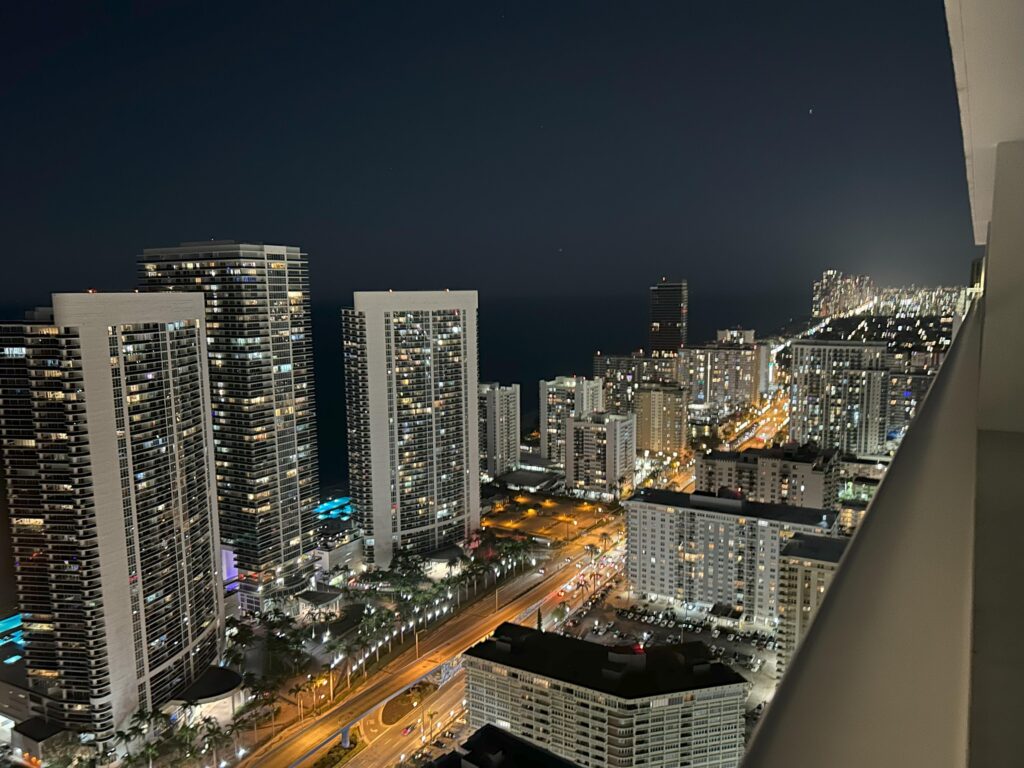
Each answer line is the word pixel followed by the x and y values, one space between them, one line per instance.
pixel 152 737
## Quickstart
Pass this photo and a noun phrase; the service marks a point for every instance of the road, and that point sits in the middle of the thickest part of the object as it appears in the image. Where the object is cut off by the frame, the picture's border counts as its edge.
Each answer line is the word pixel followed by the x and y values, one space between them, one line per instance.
pixel 763 427
pixel 437 646
pixel 390 746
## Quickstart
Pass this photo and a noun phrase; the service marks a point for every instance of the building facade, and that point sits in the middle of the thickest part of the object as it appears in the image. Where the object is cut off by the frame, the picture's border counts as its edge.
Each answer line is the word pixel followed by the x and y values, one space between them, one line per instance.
pixel 804 476
pixel 499 428
pixel 601 458
pixel 808 565
pixel 668 706
pixel 906 392
pixel 661 412
pixel 264 406
pixel 669 315
pixel 725 375
pixel 411 398
pixel 623 375
pixel 699 548
pixel 561 398
pixel 839 394
pixel 107 447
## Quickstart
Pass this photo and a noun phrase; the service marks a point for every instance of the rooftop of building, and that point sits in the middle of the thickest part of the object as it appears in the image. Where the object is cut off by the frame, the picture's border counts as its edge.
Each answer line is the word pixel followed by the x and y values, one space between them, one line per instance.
pixel 822 548
pixel 783 513
pixel 321 596
pixel 39 729
pixel 213 245
pixel 528 478
pixel 624 673
pixel 12 669
pixel 602 417
pixel 808 453
pixel 214 683
pixel 491 747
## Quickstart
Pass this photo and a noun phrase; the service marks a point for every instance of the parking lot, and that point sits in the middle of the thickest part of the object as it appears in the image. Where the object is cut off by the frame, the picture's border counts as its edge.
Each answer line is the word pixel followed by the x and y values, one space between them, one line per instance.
pixel 555 518
pixel 611 618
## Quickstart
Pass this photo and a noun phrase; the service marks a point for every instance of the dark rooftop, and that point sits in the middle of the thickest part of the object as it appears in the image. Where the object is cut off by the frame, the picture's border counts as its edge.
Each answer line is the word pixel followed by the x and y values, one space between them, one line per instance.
pixel 39 729
pixel 491 747
pixel 783 513
pixel 213 684
pixel 323 595
pixel 823 548
pixel 528 478
pixel 623 673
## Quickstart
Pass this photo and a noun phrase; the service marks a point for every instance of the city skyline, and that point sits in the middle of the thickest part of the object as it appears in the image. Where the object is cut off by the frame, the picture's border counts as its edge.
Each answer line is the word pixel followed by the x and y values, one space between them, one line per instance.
pixel 367 199
pixel 604 384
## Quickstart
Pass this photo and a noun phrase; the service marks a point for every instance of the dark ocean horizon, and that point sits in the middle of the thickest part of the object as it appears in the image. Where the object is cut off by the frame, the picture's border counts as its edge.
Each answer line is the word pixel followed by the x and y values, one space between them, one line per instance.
pixel 522 340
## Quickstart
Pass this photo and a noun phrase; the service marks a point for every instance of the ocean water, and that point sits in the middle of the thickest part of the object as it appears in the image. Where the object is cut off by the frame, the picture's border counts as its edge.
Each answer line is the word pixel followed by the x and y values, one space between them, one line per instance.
pixel 522 340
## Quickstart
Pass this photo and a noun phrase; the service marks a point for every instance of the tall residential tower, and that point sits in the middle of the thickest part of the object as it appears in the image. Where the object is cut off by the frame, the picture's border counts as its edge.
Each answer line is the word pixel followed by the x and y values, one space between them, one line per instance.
pixel 411 396
pixel 499 428
pixel 107 448
pixel 264 409
pixel 560 398
pixel 669 308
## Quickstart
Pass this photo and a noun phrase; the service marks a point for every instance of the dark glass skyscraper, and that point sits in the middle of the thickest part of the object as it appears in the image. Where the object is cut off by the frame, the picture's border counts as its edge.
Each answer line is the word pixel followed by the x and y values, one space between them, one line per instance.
pixel 264 409
pixel 670 301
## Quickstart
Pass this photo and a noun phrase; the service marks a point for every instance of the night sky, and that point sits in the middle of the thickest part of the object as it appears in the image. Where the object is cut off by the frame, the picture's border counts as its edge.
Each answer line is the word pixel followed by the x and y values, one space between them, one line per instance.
pixel 549 149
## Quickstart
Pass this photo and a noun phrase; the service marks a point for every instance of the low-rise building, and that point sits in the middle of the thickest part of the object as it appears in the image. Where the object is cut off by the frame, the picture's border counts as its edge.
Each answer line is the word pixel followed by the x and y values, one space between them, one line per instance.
pixel 705 549
pixel 807 567
pixel 490 746
pixel 803 476
pixel 597 706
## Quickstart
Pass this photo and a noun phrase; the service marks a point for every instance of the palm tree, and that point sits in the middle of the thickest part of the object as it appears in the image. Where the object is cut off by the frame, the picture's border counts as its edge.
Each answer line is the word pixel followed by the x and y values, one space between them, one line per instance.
pixel 350 647
pixel 297 691
pixel 606 540
pixel 451 565
pixel 214 737
pixel 150 750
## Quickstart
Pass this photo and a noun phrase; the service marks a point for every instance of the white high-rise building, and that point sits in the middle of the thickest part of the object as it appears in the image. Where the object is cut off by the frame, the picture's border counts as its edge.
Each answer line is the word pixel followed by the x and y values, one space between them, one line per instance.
pixel 561 398
pixel 600 460
pixel 698 548
pixel 808 565
pixel 839 394
pixel 264 408
pixel 411 397
pixel 599 707
pixel 107 451
pixel 499 428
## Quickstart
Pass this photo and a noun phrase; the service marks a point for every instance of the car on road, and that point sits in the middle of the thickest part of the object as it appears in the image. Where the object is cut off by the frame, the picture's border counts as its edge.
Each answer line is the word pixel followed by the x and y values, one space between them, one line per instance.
pixel 407 730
